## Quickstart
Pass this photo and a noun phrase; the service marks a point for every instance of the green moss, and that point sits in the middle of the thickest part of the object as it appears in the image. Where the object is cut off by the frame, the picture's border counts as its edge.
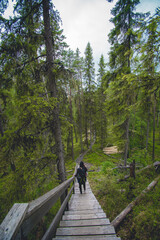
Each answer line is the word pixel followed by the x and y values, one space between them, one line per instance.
pixel 144 220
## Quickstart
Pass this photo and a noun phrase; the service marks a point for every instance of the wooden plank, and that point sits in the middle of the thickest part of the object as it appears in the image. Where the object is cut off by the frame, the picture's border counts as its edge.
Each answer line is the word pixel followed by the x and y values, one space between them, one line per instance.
pixel 13 220
pixel 98 237
pixel 81 207
pixel 81 212
pixel 87 216
pixel 84 201
pixel 85 222
pixel 84 231
pixel 78 200
pixel 39 207
pixel 53 226
pixel 53 194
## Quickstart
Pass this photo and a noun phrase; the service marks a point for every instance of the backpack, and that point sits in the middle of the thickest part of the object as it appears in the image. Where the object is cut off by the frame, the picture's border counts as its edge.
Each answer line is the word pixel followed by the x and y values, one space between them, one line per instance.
pixel 81 177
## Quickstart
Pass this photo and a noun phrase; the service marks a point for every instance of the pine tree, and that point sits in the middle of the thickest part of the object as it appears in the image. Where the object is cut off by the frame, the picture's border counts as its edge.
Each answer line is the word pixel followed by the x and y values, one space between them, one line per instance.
pixel 89 75
pixel 123 39
pixel 101 119
pixel 78 69
pixel 148 69
pixel 51 85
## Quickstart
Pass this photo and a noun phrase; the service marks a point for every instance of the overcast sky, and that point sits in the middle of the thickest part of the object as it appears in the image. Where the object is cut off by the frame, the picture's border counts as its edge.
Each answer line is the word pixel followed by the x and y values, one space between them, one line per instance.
pixel 88 21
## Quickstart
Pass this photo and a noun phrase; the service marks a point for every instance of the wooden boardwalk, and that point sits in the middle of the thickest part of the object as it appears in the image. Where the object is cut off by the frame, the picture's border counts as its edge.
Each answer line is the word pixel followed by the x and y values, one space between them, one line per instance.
pixel 85 219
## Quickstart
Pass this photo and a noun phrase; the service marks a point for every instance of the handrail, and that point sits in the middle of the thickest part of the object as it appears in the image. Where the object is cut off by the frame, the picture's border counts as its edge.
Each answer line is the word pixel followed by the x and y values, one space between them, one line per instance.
pixel 22 217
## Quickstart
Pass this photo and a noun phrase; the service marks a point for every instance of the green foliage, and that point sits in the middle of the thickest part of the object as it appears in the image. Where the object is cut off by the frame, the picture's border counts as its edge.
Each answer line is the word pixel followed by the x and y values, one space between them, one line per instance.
pixel 127 94
pixel 143 221
pixel 107 166
pixel 141 157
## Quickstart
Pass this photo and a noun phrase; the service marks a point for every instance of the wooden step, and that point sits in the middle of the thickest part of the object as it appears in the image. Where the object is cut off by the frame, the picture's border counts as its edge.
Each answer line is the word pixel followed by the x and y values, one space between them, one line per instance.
pixel 85 231
pixel 101 237
pixel 85 222
pixel 85 219
pixel 86 216
pixel 82 212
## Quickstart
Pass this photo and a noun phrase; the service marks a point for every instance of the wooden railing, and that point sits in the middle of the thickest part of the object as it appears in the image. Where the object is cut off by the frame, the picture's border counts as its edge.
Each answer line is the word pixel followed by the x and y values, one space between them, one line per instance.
pixel 22 217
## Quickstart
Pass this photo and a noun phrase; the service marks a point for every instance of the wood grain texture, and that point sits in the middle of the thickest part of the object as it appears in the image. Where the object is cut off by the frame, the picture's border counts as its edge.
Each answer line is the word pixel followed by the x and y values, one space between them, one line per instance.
pixel 85 219
pixel 13 220
pixel 85 222
pixel 39 207
pixel 102 237
pixel 85 231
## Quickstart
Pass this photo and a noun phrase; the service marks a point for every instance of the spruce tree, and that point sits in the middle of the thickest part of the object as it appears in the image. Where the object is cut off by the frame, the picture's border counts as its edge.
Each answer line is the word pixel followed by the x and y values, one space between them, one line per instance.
pixel 101 97
pixel 78 67
pixel 89 85
pixel 123 39
pixel 148 70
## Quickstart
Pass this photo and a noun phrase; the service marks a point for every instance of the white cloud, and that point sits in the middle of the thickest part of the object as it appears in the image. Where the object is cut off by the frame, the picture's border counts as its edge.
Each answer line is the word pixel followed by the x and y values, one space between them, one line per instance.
pixel 86 21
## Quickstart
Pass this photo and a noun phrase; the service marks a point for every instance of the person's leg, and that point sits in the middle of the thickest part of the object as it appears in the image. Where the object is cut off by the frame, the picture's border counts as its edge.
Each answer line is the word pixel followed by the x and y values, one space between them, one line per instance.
pixel 80 188
pixel 84 185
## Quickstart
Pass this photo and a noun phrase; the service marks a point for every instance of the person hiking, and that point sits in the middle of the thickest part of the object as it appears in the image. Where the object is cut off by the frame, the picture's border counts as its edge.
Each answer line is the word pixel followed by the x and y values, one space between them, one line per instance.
pixel 81 176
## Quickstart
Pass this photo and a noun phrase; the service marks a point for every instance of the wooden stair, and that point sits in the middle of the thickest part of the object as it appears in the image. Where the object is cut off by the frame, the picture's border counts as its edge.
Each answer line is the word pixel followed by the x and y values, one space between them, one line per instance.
pixel 85 219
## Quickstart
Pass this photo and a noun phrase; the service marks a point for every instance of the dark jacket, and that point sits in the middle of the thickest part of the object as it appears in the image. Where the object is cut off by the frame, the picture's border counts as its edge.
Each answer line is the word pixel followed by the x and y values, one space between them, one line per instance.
pixel 81 174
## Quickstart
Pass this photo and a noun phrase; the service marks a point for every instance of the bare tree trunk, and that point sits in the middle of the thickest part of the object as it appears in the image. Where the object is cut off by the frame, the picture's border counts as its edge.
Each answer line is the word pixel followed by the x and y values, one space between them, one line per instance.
pixel 86 124
pixel 51 86
pixel 147 137
pixel 1 125
pixel 71 115
pixel 80 119
pixel 127 142
pixel 154 124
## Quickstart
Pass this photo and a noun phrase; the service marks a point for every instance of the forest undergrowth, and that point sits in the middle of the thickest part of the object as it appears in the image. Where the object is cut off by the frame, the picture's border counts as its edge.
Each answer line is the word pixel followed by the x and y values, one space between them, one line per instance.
pixel 143 222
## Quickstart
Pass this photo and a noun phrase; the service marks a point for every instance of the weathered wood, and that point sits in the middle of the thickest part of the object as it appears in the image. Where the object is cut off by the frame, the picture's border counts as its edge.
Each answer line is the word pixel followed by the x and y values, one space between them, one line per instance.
pixel 85 222
pixel 39 207
pixel 132 169
pixel 96 230
pixel 101 237
pixel 53 226
pixel 86 216
pixel 82 212
pixel 124 213
pixel 36 209
pixel 139 171
pixel 13 220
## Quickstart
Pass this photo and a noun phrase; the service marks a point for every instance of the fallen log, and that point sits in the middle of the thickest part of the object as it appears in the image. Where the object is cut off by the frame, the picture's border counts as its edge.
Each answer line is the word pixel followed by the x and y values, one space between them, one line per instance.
pixel 124 213
pixel 138 171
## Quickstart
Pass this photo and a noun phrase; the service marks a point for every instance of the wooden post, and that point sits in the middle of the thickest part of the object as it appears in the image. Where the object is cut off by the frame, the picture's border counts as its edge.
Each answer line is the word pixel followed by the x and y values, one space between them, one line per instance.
pixel 132 169
pixel 67 206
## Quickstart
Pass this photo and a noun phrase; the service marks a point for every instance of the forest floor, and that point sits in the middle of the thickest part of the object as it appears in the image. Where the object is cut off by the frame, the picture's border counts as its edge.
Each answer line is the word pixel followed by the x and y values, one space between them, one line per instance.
pixel 143 221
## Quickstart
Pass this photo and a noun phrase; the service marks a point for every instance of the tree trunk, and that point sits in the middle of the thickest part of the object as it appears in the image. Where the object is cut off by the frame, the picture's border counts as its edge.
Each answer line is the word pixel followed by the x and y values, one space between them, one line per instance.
pixel 124 213
pixel 86 124
pixel 51 86
pixel 126 142
pixel 154 124
pixel 147 137
pixel 80 119
pixel 71 115
pixel 1 125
